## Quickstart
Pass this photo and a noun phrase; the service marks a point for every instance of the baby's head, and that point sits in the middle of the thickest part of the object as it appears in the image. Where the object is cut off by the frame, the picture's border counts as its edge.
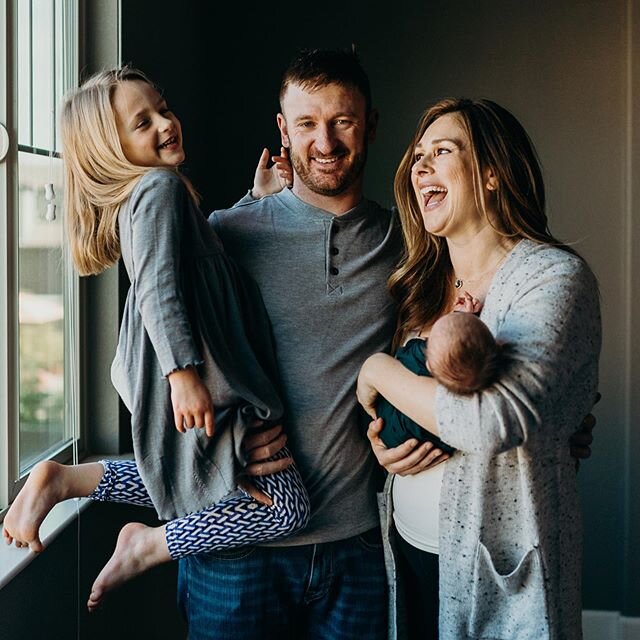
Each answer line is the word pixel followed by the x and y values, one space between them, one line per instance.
pixel 462 353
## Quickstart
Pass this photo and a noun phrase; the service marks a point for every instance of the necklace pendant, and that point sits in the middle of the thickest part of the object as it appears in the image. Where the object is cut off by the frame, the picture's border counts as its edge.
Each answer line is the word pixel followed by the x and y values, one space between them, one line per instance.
pixel 458 283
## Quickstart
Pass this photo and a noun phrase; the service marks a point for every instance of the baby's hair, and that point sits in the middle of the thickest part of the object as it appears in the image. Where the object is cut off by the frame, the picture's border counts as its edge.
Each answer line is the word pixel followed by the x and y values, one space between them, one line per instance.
pixel 98 178
pixel 473 358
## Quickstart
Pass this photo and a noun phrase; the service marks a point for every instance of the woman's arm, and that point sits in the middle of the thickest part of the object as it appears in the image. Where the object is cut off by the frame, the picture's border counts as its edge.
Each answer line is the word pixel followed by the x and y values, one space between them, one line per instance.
pixel 412 394
pixel 552 325
pixel 406 459
pixel 548 314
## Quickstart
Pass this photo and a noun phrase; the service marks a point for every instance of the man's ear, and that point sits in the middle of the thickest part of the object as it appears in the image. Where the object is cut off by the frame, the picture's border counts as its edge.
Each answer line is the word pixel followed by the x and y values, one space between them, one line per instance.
pixel 372 125
pixel 284 132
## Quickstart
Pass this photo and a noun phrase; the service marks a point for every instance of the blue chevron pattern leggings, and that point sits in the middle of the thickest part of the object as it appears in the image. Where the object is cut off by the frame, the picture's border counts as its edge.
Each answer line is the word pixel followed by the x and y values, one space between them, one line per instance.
pixel 233 522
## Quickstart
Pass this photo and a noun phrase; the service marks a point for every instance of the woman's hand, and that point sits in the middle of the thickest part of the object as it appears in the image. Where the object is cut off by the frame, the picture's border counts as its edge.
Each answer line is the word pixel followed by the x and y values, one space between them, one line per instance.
pixel 191 400
pixel 273 179
pixel 406 459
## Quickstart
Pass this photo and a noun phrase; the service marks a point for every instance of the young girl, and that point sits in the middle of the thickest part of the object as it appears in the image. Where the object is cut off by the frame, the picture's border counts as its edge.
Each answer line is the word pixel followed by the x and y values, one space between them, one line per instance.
pixel 194 336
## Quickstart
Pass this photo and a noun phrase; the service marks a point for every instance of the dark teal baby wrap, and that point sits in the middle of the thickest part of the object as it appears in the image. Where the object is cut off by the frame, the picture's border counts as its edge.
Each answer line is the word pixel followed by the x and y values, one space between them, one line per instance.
pixel 397 426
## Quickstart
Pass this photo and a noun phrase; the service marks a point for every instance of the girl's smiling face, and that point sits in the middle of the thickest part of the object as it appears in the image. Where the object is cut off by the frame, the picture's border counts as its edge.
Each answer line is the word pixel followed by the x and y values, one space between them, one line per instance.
pixel 150 134
pixel 442 179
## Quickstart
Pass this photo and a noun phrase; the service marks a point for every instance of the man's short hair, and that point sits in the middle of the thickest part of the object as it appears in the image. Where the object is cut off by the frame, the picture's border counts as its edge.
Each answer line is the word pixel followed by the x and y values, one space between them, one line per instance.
pixel 315 68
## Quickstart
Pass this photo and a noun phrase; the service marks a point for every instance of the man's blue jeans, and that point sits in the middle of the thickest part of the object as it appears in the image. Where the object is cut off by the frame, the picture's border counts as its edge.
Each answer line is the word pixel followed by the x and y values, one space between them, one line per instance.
pixel 330 591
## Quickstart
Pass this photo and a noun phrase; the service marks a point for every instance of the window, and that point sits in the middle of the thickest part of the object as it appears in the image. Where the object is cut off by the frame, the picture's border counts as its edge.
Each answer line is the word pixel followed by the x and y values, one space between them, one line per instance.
pixel 38 285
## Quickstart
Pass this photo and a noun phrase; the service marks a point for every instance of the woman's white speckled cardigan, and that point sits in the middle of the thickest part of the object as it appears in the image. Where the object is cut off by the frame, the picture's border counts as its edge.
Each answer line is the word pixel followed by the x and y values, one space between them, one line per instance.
pixel 510 523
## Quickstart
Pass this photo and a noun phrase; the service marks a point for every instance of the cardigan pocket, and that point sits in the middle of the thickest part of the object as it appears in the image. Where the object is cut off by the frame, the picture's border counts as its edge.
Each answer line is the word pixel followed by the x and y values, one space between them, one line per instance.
pixel 508 606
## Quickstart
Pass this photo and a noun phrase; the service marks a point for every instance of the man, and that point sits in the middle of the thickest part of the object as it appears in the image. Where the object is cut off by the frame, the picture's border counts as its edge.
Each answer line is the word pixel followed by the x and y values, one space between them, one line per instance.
pixel 321 254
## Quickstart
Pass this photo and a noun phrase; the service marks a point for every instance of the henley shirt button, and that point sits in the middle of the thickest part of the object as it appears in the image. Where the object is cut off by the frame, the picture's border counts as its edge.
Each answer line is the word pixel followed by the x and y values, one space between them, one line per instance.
pixel 334 271
pixel 335 251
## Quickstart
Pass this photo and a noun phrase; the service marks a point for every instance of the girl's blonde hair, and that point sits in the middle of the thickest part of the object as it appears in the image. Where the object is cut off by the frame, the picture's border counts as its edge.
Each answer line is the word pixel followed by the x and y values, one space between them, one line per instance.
pixel 422 285
pixel 98 178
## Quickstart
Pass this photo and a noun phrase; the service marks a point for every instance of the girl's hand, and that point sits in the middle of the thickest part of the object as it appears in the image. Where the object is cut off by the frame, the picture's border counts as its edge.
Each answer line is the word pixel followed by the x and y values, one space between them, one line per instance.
pixel 406 459
pixel 191 400
pixel 268 180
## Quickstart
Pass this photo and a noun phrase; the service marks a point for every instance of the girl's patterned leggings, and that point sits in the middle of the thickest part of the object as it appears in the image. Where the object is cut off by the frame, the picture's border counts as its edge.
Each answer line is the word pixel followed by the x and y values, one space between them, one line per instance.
pixel 233 522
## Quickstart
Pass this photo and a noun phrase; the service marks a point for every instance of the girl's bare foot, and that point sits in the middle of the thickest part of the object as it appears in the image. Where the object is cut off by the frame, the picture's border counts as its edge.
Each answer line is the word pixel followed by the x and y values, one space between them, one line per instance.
pixel 44 488
pixel 138 548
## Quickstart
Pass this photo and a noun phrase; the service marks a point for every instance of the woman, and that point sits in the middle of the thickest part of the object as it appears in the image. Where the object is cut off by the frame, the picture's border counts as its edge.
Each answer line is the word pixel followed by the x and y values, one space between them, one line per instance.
pixel 507 528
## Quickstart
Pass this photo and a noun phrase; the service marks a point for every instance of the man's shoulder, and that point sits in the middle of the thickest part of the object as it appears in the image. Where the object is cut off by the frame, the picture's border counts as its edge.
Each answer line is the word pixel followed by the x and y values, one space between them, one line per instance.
pixel 245 212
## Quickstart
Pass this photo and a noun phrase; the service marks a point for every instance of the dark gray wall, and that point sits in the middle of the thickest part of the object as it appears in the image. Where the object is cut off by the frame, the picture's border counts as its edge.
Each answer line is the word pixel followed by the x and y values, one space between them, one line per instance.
pixel 223 75
pixel 48 598
pixel 564 68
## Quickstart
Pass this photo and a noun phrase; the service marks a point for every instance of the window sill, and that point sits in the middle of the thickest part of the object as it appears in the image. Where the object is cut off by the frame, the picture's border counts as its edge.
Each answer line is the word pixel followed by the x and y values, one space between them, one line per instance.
pixel 13 560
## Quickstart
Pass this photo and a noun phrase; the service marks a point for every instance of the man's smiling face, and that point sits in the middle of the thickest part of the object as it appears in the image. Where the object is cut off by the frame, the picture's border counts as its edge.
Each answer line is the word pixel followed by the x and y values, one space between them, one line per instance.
pixel 327 134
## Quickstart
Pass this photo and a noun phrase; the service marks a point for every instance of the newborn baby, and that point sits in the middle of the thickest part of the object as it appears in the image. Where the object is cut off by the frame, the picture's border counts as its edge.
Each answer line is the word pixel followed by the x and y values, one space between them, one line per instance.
pixel 462 355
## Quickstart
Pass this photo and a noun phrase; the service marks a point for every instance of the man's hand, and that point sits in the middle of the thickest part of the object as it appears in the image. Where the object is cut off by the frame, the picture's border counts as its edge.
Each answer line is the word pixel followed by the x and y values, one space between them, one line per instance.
pixel 581 440
pixel 407 459
pixel 258 447
pixel 191 400
pixel 274 178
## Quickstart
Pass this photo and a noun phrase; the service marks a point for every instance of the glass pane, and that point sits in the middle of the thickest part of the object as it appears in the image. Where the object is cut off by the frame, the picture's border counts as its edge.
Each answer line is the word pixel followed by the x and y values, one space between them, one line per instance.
pixel 43 70
pixel 41 311
pixel 23 39
pixel 59 80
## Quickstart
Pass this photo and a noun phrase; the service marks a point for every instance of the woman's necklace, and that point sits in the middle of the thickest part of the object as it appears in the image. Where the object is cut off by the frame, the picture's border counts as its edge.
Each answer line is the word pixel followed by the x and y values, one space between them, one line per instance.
pixel 459 282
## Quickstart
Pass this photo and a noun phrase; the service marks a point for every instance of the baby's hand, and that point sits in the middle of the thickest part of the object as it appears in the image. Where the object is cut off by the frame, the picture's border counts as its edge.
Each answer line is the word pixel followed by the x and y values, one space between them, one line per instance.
pixel 191 400
pixel 468 304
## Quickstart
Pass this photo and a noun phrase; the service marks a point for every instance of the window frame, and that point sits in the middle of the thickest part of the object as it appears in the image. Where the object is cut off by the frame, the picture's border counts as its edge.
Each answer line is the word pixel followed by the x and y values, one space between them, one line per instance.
pixel 11 479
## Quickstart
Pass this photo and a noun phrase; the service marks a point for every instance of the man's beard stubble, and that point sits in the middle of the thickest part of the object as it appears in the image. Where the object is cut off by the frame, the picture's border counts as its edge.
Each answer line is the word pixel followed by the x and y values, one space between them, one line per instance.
pixel 314 181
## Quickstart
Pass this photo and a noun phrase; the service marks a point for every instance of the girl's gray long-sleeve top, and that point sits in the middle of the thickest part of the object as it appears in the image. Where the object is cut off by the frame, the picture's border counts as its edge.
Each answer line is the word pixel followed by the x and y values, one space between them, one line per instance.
pixel 188 304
